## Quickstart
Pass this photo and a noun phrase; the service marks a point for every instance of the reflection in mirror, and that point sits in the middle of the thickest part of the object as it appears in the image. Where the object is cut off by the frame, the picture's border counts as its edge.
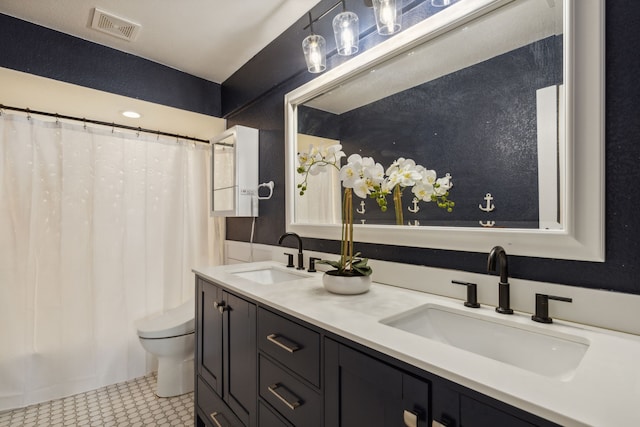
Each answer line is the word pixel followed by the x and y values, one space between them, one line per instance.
pixel 477 117
pixel 321 202
pixel 477 90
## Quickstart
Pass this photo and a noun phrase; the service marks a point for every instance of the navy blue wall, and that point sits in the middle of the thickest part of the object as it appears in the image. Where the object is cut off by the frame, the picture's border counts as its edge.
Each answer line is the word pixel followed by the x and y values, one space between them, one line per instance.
pixel 620 272
pixel 37 50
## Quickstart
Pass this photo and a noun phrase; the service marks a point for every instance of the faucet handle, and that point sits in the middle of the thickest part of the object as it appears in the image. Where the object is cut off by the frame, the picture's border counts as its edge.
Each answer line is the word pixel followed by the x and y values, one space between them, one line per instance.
pixel 542 307
pixel 312 264
pixel 472 293
pixel 289 259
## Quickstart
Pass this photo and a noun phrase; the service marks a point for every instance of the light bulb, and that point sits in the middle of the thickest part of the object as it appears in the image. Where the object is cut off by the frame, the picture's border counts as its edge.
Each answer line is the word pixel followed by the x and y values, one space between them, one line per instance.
pixel 386 14
pixel 131 114
pixel 314 56
pixel 347 40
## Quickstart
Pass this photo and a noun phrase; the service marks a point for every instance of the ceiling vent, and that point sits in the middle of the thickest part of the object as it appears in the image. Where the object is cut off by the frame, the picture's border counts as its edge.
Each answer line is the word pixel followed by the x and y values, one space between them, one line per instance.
pixel 115 26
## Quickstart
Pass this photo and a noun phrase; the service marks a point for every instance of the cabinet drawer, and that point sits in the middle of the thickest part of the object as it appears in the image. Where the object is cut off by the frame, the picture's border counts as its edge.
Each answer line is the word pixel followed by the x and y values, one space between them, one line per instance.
pixel 217 412
pixel 267 418
pixel 297 402
pixel 476 414
pixel 293 345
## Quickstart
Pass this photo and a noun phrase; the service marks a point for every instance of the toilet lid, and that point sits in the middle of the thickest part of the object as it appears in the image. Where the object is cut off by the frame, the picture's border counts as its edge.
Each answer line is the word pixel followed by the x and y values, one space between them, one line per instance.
pixel 174 322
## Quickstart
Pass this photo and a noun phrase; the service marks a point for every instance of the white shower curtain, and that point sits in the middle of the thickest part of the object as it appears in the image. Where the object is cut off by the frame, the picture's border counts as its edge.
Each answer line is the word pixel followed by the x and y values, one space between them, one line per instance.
pixel 97 229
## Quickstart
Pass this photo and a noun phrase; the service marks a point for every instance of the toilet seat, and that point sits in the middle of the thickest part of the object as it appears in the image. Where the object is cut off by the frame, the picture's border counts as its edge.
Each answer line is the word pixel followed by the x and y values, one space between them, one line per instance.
pixel 174 322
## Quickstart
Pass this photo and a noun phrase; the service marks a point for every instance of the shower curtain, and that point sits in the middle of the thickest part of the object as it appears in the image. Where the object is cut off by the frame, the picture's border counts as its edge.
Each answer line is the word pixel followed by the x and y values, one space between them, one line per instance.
pixel 97 229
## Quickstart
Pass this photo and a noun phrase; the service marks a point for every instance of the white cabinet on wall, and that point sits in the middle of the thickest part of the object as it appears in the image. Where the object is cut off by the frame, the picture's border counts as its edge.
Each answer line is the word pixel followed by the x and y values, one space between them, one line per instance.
pixel 234 172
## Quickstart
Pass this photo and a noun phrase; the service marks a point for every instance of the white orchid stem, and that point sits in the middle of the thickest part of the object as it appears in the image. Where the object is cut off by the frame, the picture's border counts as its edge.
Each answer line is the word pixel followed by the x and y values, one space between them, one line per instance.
pixel 397 203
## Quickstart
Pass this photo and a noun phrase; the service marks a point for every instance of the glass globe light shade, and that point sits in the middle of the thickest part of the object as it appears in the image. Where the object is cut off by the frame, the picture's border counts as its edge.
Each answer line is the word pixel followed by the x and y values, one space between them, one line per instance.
pixel 347 33
pixel 315 53
pixel 388 16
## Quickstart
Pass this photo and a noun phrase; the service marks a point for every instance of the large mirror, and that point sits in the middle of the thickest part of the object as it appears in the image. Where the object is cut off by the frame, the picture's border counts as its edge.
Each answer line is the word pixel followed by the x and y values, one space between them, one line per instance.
pixel 502 99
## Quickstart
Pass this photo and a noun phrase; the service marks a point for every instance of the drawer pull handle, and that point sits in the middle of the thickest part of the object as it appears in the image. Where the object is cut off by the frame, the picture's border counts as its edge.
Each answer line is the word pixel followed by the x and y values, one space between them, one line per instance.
pixel 283 343
pixel 214 417
pixel 410 418
pixel 291 405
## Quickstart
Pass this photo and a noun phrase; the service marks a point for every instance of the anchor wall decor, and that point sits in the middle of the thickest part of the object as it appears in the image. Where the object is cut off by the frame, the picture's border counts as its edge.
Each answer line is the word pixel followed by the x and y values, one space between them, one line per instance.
pixel 489 206
pixel 415 208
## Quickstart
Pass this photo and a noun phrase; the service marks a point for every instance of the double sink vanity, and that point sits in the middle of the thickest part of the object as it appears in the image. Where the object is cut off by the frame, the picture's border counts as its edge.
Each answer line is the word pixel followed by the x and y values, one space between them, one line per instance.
pixel 274 348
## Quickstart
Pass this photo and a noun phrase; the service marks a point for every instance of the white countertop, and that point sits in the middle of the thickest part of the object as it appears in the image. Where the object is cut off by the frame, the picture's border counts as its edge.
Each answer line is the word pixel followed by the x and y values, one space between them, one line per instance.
pixel 604 390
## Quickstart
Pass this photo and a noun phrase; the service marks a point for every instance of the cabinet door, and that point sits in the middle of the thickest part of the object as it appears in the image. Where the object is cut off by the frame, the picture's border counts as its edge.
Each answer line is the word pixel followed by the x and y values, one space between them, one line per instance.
pixel 361 390
pixel 477 414
pixel 209 324
pixel 239 342
pixel 234 172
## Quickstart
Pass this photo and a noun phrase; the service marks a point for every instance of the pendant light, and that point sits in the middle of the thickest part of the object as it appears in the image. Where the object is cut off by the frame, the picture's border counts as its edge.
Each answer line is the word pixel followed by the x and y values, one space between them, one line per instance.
pixel 346 31
pixel 388 16
pixel 314 47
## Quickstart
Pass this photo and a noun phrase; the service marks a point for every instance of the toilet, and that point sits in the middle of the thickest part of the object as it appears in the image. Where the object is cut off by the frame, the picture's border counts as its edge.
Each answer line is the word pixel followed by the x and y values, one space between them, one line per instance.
pixel 170 336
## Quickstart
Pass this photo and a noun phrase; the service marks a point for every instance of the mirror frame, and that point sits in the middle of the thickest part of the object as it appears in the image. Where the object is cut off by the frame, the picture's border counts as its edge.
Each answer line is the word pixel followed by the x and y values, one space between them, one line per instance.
pixel 582 237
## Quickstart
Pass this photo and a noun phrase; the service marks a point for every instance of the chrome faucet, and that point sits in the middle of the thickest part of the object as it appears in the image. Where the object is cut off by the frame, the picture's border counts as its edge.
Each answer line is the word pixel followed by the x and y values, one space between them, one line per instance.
pixel 498 254
pixel 300 254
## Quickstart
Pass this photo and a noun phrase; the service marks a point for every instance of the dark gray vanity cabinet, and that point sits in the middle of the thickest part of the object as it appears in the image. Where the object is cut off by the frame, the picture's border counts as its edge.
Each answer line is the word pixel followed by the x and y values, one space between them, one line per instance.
pixel 363 391
pixel 226 358
pixel 257 366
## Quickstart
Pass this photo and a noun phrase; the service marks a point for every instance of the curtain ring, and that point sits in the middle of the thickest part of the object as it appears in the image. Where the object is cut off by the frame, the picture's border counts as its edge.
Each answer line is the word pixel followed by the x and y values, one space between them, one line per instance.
pixel 84 120
pixel 57 119
pixel 28 114
pixel 113 127
pixel 138 132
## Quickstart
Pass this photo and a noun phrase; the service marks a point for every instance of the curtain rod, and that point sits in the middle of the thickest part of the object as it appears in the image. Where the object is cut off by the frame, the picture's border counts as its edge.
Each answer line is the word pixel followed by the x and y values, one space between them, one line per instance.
pixel 98 122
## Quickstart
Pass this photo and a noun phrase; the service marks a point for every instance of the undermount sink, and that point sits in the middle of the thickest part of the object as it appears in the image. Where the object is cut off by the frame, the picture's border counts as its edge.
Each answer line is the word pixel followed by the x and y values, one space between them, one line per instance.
pixel 269 275
pixel 543 352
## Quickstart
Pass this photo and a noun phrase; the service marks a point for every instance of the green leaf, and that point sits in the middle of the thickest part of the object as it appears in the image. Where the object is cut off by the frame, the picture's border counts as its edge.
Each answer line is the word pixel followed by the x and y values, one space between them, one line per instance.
pixel 363 271
pixel 334 264
pixel 360 262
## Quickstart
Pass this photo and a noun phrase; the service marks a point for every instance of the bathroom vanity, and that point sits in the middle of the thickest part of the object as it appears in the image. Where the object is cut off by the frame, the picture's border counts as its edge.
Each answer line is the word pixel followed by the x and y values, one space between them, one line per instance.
pixel 276 349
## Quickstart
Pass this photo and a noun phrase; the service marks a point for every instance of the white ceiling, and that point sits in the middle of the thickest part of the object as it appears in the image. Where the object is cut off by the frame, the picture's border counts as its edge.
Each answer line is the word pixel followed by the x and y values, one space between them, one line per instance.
pixel 210 39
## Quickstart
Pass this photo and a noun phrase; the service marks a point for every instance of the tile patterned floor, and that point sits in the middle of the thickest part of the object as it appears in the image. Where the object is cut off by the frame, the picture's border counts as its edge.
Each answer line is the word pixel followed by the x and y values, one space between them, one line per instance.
pixel 129 404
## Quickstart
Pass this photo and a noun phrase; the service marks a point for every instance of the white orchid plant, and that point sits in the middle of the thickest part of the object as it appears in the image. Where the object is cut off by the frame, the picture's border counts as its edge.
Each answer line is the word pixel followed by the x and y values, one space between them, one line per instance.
pixel 425 185
pixel 366 178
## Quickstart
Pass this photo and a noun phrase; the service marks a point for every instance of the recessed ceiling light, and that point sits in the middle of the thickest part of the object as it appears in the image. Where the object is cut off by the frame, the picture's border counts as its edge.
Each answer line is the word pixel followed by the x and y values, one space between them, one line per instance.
pixel 131 114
